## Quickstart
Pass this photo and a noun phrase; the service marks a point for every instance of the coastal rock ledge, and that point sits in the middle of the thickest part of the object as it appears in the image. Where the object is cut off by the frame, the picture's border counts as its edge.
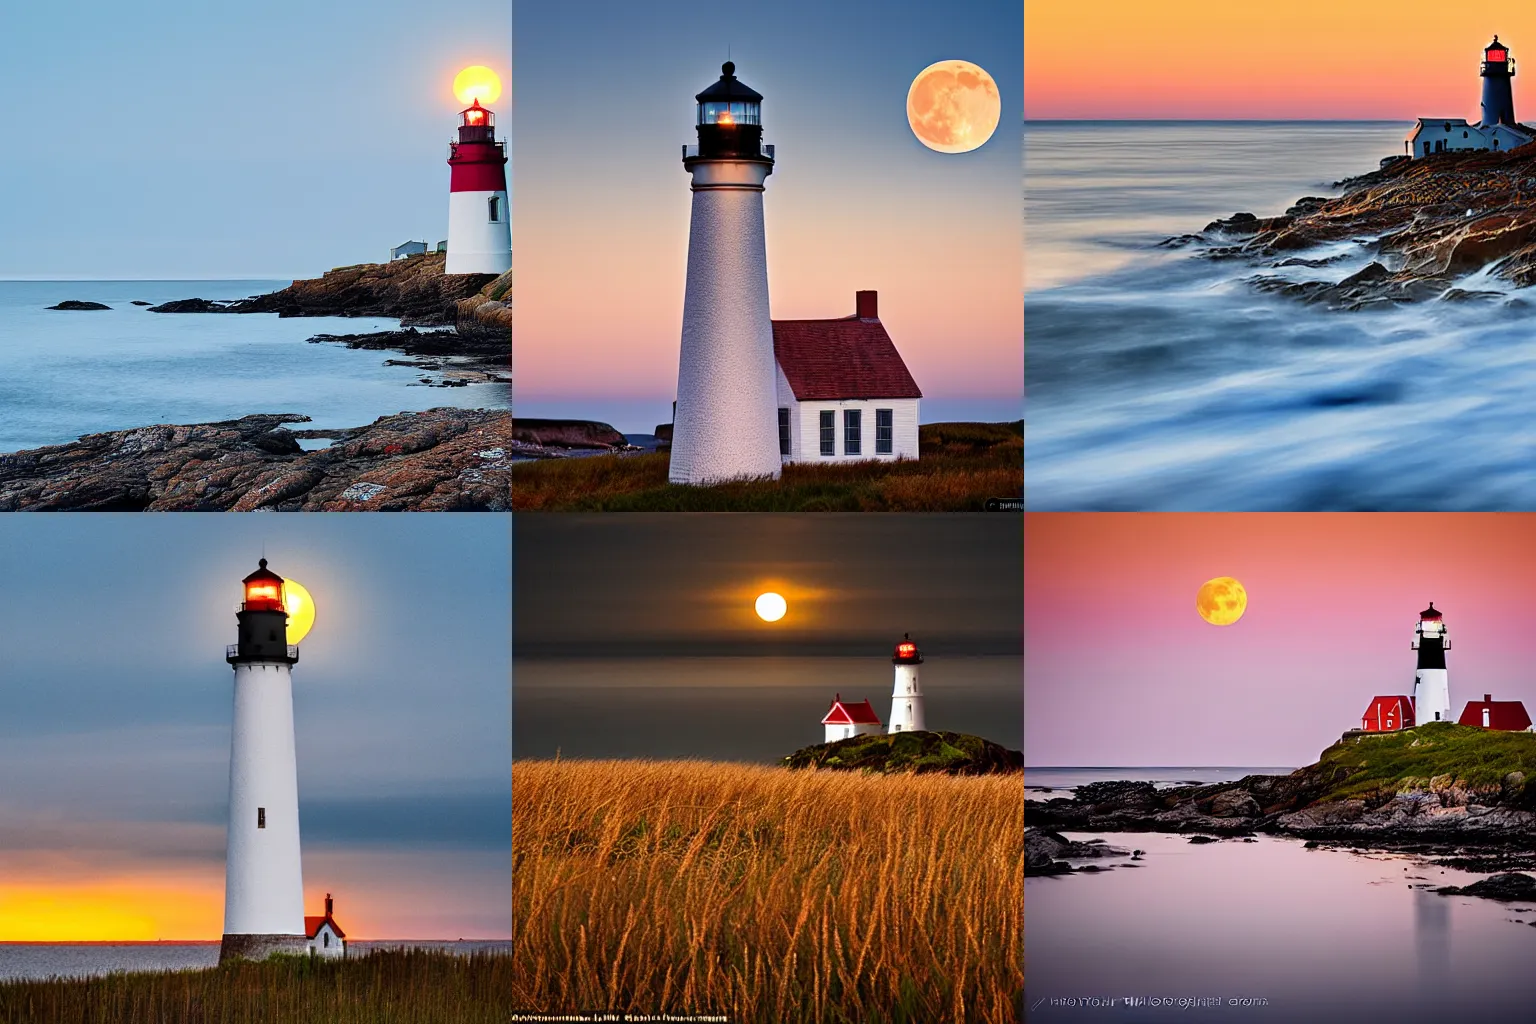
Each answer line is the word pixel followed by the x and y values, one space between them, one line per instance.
pixel 438 460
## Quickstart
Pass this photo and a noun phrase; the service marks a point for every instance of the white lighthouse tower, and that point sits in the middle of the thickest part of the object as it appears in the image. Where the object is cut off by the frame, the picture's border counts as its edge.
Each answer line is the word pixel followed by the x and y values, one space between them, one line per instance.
pixel 1431 689
pixel 263 884
pixel 907 696
pixel 479 221
pixel 726 424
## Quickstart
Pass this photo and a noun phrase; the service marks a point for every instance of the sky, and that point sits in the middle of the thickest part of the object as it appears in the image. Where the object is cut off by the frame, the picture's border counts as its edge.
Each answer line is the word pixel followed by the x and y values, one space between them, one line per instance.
pixel 115 721
pixel 190 140
pixel 1308 59
pixel 1120 670
pixel 605 102
pixel 636 636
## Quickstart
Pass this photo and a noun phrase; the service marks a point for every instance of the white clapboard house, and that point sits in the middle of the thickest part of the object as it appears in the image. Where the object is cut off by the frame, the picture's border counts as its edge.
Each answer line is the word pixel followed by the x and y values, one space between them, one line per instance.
pixel 844 394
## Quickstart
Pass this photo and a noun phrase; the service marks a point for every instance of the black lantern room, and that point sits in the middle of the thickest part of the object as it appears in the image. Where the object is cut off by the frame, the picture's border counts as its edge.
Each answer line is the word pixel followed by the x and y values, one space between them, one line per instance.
pixel 730 118
pixel 477 124
pixel 907 652
pixel 263 630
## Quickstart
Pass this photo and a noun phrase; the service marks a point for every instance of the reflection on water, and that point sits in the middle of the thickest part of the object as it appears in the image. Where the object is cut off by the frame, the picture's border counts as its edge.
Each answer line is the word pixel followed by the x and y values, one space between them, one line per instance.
pixel 1317 935
pixel 1161 381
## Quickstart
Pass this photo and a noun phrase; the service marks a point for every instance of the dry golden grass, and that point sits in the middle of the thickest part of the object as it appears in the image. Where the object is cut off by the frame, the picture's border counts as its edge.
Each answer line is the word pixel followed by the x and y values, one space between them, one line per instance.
pixel 385 987
pixel 962 465
pixel 766 894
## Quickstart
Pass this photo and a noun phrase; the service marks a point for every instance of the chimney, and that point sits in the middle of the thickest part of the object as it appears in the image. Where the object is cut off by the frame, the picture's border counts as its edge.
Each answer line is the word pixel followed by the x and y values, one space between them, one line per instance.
pixel 327 904
pixel 866 306
pixel 1487 698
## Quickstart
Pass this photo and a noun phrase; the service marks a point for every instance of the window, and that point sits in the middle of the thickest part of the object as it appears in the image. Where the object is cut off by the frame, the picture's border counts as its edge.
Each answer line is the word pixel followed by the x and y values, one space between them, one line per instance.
pixel 851 439
pixel 261 817
pixel 494 202
pixel 784 432
pixel 828 432
pixel 327 939
pixel 883 435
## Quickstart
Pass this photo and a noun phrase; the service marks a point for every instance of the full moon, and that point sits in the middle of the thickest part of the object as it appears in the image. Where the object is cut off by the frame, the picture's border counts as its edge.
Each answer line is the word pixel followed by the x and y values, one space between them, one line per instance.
pixel 771 607
pixel 300 608
pixel 477 82
pixel 1221 601
pixel 953 106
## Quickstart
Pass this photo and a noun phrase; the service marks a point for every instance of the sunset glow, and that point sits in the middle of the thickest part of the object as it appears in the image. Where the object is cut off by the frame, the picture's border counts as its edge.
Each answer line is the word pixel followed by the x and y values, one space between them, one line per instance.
pixel 477 82
pixel 1307 59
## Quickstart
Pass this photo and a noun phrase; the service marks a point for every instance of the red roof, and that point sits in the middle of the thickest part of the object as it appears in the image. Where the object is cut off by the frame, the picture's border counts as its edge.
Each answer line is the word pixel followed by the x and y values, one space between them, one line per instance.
pixel 1388 714
pixel 1502 714
pixel 846 358
pixel 844 713
pixel 312 925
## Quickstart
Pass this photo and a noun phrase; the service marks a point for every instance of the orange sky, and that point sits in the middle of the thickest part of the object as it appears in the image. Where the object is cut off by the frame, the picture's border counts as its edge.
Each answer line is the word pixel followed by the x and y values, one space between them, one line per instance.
pixel 1299 59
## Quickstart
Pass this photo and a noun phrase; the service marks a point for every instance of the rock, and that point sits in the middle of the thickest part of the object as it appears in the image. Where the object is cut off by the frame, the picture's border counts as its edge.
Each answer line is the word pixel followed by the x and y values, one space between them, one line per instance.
pixel 79 304
pixel 566 433
pixel 1045 852
pixel 1237 224
pixel 920 751
pixel 1513 885
pixel 140 302
pixel 438 460
pixel 1234 803
pixel 195 306
pixel 1202 840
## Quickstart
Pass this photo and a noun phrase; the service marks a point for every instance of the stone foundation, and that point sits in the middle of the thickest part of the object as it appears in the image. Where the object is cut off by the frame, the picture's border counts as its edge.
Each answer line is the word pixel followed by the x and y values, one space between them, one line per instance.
pixel 259 947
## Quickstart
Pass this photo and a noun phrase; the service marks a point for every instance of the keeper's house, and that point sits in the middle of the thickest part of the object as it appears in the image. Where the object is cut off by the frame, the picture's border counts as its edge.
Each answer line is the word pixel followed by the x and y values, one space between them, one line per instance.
pixel 844 394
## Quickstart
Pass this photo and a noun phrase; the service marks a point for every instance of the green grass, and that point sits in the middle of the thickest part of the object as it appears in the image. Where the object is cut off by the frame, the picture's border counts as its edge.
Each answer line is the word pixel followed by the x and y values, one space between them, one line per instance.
pixel 921 751
pixel 1379 764
pixel 385 987
pixel 961 466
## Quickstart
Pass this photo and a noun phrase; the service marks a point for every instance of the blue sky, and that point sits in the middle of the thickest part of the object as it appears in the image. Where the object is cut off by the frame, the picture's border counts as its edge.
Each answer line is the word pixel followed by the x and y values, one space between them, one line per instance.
pixel 192 140
pixel 115 700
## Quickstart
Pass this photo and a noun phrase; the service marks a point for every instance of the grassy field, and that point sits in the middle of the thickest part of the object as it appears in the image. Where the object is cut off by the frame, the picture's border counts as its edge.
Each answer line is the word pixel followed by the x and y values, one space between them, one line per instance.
pixel 769 895
pixel 1411 758
pixel 386 987
pixel 961 466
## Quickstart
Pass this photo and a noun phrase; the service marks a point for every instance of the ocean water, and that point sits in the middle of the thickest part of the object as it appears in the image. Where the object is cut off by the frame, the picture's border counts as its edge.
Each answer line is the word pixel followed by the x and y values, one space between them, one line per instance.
pixel 1063 781
pixel 66 373
pixel 1271 931
pixel 36 960
pixel 1161 381
pixel 757 709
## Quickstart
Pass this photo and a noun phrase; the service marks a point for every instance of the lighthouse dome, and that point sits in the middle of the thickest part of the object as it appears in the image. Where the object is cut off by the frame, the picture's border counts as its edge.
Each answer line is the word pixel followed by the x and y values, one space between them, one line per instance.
pixel 729 102
pixel 263 589
pixel 1430 613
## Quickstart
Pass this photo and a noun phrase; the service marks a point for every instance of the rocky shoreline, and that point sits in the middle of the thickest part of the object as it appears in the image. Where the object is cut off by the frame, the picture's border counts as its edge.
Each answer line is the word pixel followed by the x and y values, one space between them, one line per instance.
pixel 475 309
pixel 438 460
pixel 1428 223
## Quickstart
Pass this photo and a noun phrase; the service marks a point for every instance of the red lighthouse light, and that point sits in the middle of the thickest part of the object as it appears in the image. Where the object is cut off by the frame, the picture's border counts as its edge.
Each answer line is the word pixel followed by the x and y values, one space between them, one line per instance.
pixel 476 116
pixel 263 590
pixel 905 650
pixel 1497 55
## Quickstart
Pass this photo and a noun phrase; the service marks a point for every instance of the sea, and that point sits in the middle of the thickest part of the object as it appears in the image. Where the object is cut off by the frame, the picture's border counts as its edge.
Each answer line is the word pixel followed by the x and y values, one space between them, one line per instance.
pixel 1271 931
pixel 757 709
pixel 1266 930
pixel 39 960
pixel 68 373
pixel 1161 381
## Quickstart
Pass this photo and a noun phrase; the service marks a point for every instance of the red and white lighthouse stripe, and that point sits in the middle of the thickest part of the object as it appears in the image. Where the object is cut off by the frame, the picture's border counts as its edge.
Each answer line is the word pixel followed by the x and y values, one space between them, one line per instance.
pixel 479 217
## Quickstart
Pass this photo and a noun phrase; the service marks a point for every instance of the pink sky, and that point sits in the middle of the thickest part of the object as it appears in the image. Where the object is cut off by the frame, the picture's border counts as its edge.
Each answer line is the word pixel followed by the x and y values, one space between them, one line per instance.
pixel 1121 670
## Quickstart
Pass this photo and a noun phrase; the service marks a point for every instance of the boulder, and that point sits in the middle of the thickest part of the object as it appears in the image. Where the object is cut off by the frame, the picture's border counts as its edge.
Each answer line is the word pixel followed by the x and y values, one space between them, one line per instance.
pixel 80 304
pixel 1513 885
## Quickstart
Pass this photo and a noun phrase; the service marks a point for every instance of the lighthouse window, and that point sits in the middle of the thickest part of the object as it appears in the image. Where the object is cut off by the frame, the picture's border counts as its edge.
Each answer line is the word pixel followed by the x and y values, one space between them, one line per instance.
pixel 494 202
pixel 882 431
pixel 261 817
pixel 851 432
pixel 783 431
pixel 828 432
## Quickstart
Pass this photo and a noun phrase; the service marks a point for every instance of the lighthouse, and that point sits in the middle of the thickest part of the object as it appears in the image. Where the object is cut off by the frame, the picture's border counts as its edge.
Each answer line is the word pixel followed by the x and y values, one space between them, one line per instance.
pixel 263 884
pixel 479 222
pixel 1498 96
pixel 1431 690
pixel 726 424
pixel 906 696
